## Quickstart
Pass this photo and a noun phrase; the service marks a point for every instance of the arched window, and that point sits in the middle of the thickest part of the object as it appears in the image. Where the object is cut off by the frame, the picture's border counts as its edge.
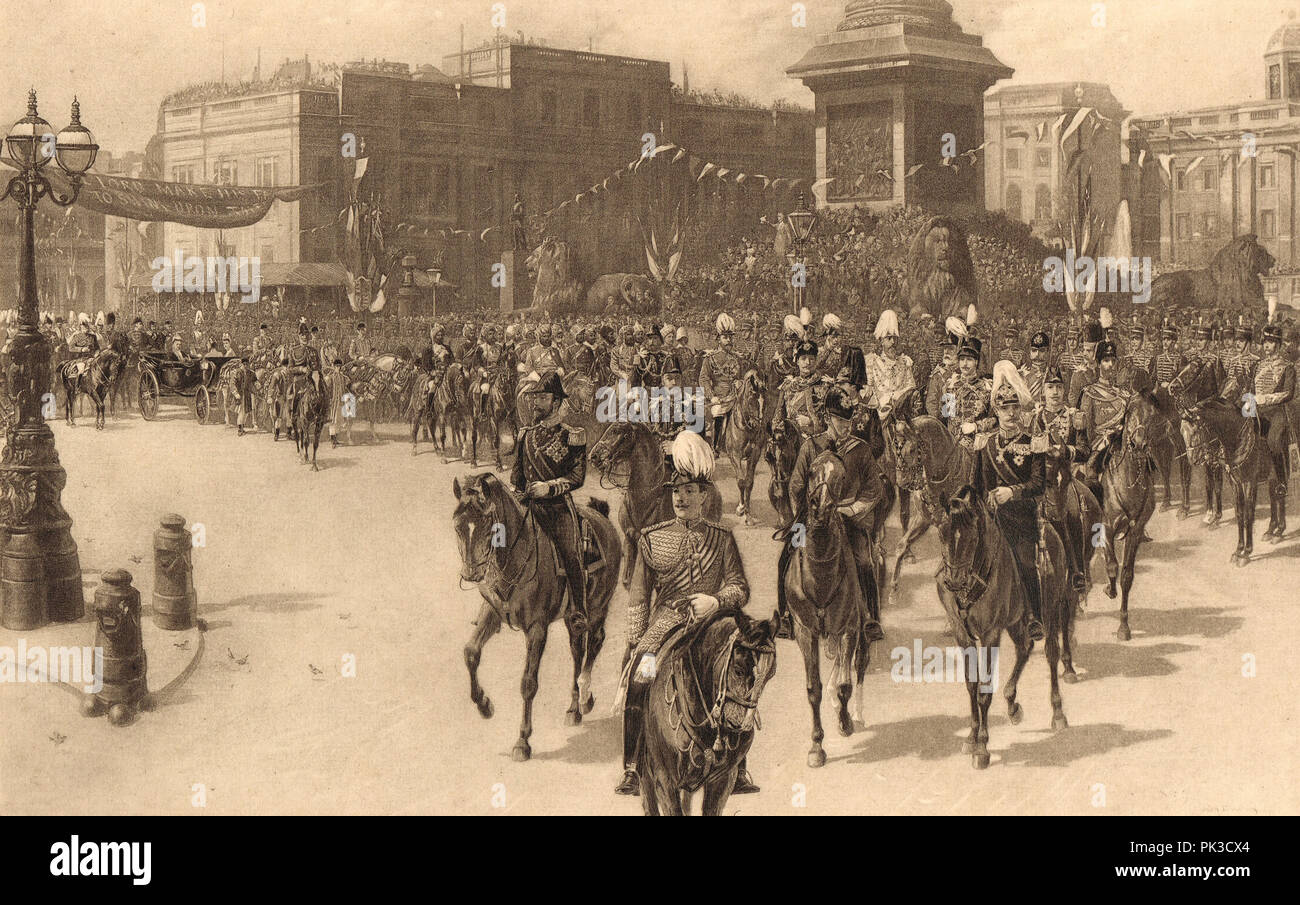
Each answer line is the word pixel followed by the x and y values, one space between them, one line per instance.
pixel 1043 203
pixel 1014 204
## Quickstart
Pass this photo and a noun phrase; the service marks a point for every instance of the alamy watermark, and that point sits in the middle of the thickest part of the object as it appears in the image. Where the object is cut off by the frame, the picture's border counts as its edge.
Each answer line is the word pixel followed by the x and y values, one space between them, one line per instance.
pixel 191 273
pixel 1128 276
pixel 945 664
pixel 652 405
pixel 82 666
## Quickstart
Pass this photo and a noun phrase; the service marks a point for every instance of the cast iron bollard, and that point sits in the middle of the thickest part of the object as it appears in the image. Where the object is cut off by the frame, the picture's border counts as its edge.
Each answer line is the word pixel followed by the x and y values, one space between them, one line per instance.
pixel 124 686
pixel 175 602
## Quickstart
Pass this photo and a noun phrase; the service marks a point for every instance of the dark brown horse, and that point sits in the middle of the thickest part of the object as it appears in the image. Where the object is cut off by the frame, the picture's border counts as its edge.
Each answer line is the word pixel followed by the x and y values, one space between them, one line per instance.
pixel 702 710
pixel 1194 384
pixel 491 411
pixel 94 377
pixel 746 436
pixel 826 600
pixel 629 456
pixel 311 411
pixel 521 581
pixel 983 595
pixel 1128 497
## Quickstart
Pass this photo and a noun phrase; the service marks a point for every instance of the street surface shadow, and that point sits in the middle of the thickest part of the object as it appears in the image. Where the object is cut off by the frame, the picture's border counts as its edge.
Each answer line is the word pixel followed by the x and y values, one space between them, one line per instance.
pixel 1102 661
pixel 594 742
pixel 1061 748
pixel 335 462
pixel 931 737
pixel 1202 622
pixel 266 603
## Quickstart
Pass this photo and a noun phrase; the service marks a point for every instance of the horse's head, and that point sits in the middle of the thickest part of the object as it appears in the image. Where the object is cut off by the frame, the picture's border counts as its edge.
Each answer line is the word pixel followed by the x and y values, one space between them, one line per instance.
pixel 825 488
pixel 614 448
pixel 1191 384
pixel 479 521
pixel 748 662
pixel 753 394
pixel 961 527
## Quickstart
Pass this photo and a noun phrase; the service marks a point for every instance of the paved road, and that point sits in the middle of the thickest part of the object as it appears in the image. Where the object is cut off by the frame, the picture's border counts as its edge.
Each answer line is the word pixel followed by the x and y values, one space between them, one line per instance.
pixel 301 569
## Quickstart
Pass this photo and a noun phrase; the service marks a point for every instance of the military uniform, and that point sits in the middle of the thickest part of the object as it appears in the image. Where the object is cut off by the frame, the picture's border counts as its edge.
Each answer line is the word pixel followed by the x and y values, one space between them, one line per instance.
pixel 1238 374
pixel 1103 408
pixel 1008 460
pixel 1168 363
pixel 889 380
pixel 1275 390
pixel 650 367
pixel 555 454
pixel 970 404
pixel 543 361
pixel 936 387
pixel 720 376
pixel 1066 443
pixel 798 402
pixel 622 362
pixel 1034 373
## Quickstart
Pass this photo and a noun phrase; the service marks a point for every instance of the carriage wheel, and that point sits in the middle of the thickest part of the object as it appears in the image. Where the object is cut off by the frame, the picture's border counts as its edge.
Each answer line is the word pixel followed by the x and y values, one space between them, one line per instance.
pixel 202 405
pixel 147 396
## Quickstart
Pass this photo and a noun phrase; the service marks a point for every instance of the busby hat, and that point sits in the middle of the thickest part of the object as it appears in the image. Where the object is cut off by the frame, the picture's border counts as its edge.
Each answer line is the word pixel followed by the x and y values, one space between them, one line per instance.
pixel 1273 333
pixel 970 347
pixel 839 405
pixel 1106 349
pixel 1040 340
pixel 1091 332
pixel 552 384
pixel 692 459
pixel 1169 331
pixel 1053 375
pixel 1204 331
pixel 807 347
pixel 1243 333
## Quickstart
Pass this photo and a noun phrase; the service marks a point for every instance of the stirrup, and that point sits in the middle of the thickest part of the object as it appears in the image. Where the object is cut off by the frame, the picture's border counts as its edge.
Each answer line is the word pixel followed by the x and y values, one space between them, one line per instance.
pixel 630 784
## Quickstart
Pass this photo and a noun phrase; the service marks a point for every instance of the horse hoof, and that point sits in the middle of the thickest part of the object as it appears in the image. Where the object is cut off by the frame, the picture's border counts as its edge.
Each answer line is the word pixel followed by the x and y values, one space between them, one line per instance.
pixel 740 509
pixel 1111 592
pixel 846 725
pixel 91 706
pixel 816 758
pixel 1183 514
pixel 1123 633
pixel 120 714
pixel 572 718
pixel 1059 722
pixel 1015 713
pixel 980 761
pixel 485 708
pixel 1243 560
pixel 590 704
pixel 1070 677
pixel 967 746
pixel 521 752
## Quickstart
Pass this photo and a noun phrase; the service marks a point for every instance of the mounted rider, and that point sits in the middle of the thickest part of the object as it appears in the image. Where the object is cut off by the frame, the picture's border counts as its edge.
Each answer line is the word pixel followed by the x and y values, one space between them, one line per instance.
pixel 1103 407
pixel 687 359
pixel 687 569
pixel 889 373
pixel 720 377
pixel 541 361
pixel 650 361
pixel 303 362
pixel 1274 391
pixel 860 503
pixel 1063 430
pixel 799 400
pixel 1139 365
pixel 1170 361
pixel 966 395
pixel 359 346
pixel 1239 366
pixel 1085 368
pixel 947 343
pixel 622 358
pixel 845 365
pixel 550 463
pixel 1034 371
pixel 1010 468
pixel 784 362
pixel 483 361
pixel 82 346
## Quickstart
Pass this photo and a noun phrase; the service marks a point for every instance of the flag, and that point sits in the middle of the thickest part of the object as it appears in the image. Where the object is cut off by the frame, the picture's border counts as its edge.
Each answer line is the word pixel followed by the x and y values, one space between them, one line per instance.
pixel 1078 121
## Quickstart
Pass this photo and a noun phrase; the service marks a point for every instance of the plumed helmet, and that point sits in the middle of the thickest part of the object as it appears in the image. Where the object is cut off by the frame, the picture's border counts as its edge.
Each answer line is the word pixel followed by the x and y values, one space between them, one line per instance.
pixel 970 347
pixel 1009 388
pixel 1106 349
pixel 887 325
pixel 805 348
pixel 1054 375
pixel 1091 332
pixel 1040 340
pixel 832 324
pixel 839 404
pixel 724 324
pixel 792 326
pixel 692 459
pixel 955 327
pixel 805 316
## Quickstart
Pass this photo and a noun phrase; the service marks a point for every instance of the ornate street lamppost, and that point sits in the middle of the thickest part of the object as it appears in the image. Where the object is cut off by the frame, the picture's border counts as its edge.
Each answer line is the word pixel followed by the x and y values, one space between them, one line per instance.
pixel 802 222
pixel 40 573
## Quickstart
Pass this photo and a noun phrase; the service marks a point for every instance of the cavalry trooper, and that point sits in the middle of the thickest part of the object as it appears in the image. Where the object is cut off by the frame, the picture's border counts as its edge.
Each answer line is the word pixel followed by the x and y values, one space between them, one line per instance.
pixel 784 360
pixel 1034 371
pixel 1104 404
pixel 845 365
pixel 360 346
pixel 622 359
pixel 1063 428
pixel 551 463
pixel 947 342
pixel 686 359
pixel 303 362
pixel 1274 391
pixel 965 399
pixel 687 570
pixel 720 377
pixel 1011 470
pixel 263 341
pixel 650 361
pixel 1073 356
pixel 1239 366
pixel 1139 364
pixel 862 495
pixel 799 399
pixel 1011 350
pixel 542 360
pixel 482 362
pixel 1170 360
pixel 889 373
pixel 1085 367
pixel 587 359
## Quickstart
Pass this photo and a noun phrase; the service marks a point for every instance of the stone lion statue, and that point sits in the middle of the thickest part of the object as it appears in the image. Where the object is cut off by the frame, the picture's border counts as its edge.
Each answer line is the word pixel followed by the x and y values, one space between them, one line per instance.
pixel 1231 282
pixel 553 265
pixel 940 277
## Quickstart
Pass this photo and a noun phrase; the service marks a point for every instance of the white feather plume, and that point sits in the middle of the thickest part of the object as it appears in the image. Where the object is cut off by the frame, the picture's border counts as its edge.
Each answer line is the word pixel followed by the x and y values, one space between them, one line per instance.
pixel 1272 309
pixel 1005 373
pixel 1105 317
pixel 725 323
pixel 832 322
pixel 888 324
pixel 692 456
pixel 793 326
pixel 805 316
pixel 957 327
pixel 971 315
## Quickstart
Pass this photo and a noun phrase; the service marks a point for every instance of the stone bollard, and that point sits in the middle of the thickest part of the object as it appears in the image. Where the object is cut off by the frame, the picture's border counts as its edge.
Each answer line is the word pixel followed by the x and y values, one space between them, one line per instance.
pixel 175 603
pixel 123 684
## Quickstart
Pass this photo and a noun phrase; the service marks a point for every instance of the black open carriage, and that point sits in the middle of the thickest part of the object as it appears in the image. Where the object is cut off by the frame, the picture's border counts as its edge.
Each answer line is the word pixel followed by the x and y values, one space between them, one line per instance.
pixel 161 375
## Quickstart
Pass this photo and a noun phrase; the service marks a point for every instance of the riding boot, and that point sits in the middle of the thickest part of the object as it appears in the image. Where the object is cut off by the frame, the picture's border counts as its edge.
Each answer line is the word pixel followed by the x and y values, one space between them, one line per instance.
pixel 785 624
pixel 633 719
pixel 744 781
pixel 1281 513
pixel 1074 554
pixel 1034 591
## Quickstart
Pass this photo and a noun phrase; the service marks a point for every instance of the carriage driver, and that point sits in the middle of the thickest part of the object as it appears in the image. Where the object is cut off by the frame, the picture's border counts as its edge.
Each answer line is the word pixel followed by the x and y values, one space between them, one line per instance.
pixel 687 569
pixel 1013 476
pixel 303 362
pixel 551 463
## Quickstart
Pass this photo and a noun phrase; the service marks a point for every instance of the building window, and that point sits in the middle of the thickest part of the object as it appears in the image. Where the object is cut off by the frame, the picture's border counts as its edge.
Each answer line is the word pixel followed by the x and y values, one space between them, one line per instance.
pixel 1275 83
pixel 268 254
pixel 1042 203
pixel 226 172
pixel 1013 158
pixel 1268 224
pixel 1183 227
pixel 440 189
pixel 1015 206
pixel 417 190
pixel 1043 158
pixel 267 171
pixel 591 109
pixel 183 174
pixel 1181 177
pixel 1209 178
pixel 1209 226
pixel 1267 178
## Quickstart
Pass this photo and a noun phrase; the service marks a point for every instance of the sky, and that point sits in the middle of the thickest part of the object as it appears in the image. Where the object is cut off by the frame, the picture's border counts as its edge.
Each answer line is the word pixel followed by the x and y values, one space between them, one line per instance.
pixel 121 57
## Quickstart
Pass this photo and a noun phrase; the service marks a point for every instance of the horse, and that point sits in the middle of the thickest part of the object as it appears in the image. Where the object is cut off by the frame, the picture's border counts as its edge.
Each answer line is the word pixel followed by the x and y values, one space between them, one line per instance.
pixel 1194 384
pixel 1167 447
pixel 745 436
pixel 95 380
pixel 982 594
pixel 311 411
pixel 522 585
pixel 1220 426
pixel 491 410
pixel 1128 497
pixel 236 384
pixel 821 587
pixel 631 458
pixel 452 409
pixel 702 710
